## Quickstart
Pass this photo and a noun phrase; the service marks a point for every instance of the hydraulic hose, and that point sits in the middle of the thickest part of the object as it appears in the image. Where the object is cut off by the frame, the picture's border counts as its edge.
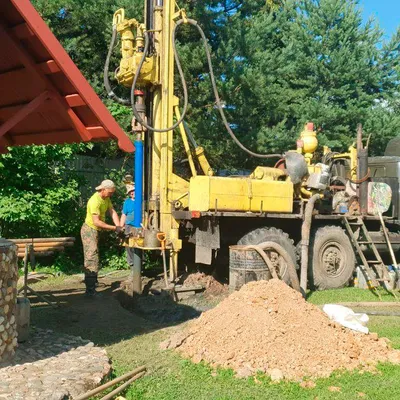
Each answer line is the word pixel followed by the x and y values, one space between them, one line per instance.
pixel 185 92
pixel 216 94
pixel 265 258
pixel 305 241
pixel 184 85
pixel 106 80
pixel 260 248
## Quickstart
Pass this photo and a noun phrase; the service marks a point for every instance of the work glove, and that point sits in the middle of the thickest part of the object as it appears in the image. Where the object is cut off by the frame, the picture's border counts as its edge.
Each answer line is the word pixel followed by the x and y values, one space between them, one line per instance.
pixel 119 230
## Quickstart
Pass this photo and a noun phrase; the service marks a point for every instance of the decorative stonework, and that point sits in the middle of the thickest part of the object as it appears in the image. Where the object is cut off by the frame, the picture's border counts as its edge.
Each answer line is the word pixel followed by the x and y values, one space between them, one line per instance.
pixel 8 299
pixel 53 366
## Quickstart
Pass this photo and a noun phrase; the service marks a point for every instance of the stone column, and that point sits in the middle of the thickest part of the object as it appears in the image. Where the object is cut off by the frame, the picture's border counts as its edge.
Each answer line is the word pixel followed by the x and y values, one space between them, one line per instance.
pixel 8 299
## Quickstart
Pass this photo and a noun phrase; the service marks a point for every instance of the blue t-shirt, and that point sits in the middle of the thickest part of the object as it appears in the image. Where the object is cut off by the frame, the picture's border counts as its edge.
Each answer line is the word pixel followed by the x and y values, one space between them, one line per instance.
pixel 128 210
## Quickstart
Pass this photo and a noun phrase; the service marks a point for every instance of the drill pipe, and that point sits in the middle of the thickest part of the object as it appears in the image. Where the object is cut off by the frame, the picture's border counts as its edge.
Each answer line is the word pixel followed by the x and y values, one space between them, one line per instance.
pixel 305 242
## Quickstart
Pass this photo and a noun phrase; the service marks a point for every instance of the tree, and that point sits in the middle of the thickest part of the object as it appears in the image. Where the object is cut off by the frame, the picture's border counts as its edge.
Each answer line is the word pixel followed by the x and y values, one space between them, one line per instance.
pixel 310 61
pixel 39 192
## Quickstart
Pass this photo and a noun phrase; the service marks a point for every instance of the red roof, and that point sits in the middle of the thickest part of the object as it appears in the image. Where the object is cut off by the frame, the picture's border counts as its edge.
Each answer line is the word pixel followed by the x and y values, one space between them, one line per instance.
pixel 44 98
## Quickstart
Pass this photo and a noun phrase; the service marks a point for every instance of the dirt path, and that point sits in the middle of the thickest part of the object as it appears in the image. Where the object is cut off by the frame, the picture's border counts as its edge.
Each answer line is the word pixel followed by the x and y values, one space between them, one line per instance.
pixel 100 319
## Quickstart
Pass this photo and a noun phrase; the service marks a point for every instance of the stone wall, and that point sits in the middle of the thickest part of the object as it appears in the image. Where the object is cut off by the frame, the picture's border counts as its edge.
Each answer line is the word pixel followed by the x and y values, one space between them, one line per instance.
pixel 8 299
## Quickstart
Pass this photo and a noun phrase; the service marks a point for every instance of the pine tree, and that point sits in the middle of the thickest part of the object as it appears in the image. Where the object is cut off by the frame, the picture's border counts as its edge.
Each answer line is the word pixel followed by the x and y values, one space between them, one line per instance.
pixel 312 60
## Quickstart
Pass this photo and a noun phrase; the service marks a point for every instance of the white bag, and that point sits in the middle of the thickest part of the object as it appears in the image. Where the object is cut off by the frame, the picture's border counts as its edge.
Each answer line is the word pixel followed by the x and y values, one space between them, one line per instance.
pixel 347 317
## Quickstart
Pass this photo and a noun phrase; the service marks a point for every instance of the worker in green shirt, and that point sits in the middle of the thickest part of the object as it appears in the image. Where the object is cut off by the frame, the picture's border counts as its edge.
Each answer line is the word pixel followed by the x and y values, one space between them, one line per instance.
pixel 97 207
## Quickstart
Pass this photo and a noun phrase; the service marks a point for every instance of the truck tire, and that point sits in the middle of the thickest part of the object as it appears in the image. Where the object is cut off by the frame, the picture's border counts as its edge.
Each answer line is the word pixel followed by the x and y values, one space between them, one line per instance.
pixel 261 235
pixel 333 259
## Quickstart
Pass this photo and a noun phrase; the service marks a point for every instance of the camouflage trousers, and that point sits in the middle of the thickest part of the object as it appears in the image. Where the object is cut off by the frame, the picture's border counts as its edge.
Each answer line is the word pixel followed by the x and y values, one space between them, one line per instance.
pixel 90 241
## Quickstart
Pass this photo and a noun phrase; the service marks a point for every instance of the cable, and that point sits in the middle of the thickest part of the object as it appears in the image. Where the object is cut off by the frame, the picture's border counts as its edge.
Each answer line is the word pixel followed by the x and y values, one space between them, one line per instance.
pixel 106 80
pixel 216 94
pixel 185 92
pixel 214 86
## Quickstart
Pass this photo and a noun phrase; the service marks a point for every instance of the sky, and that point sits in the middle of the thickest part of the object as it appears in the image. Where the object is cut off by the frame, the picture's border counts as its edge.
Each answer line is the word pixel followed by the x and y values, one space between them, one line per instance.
pixel 386 13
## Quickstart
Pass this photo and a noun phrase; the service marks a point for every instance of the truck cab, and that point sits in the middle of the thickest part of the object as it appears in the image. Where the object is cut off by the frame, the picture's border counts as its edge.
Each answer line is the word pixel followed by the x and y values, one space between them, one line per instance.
pixel 387 169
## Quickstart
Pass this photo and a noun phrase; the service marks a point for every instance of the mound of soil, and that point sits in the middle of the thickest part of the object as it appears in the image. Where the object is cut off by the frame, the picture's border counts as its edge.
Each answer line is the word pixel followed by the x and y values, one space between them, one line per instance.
pixel 269 327
pixel 211 285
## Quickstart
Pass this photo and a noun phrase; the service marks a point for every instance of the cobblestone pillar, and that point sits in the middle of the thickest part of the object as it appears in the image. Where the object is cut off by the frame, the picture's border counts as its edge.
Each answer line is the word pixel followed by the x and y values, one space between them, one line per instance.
pixel 8 299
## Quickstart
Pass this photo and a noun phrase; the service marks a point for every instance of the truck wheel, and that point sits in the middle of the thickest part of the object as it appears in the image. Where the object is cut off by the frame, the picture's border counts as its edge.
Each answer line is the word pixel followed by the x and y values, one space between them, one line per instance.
pixel 261 235
pixel 333 258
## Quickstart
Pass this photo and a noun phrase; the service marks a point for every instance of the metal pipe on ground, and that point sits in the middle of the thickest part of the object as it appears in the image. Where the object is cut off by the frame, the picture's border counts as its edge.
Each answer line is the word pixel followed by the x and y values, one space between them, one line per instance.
pixel 373 313
pixel 122 387
pixel 107 385
pixel 380 313
pixel 305 241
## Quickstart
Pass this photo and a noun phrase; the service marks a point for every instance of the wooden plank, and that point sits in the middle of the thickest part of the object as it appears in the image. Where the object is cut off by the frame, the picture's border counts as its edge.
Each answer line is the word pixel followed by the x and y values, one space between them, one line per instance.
pixel 45 244
pixel 23 112
pixel 75 100
pixel 49 67
pixel 22 31
pixel 43 240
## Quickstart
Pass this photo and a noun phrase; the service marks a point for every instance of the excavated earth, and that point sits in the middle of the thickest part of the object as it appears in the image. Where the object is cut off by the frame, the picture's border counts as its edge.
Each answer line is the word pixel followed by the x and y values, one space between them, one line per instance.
pixel 211 285
pixel 266 326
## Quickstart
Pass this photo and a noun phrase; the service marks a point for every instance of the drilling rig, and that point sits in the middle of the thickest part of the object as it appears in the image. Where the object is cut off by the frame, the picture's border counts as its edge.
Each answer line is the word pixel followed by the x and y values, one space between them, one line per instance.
pixel 322 205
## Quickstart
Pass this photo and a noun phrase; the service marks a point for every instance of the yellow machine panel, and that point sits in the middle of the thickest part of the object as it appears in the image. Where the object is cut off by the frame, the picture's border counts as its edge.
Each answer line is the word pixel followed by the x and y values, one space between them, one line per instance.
pixel 239 194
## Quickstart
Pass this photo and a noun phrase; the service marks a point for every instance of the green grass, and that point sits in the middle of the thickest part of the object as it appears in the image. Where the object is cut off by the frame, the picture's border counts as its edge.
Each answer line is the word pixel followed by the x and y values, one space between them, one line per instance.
pixel 184 380
pixel 172 378
pixel 349 294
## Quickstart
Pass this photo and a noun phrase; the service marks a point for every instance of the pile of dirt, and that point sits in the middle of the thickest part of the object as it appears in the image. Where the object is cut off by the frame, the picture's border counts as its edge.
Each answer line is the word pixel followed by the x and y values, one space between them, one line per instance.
pixel 269 327
pixel 211 285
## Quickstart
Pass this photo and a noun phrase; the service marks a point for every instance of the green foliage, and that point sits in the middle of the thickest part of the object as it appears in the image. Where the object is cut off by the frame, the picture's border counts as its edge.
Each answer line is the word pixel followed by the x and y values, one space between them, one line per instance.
pixel 283 65
pixel 114 260
pixel 278 64
pixel 84 29
pixel 39 193
pixel 67 262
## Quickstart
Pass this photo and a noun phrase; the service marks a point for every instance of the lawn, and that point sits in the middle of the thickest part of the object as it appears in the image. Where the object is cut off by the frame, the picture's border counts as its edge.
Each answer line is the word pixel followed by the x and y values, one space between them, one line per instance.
pixel 132 340
pixel 171 377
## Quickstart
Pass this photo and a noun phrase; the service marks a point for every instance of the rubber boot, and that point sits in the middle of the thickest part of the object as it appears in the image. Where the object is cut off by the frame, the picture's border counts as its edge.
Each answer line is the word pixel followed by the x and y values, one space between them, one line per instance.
pixel 90 282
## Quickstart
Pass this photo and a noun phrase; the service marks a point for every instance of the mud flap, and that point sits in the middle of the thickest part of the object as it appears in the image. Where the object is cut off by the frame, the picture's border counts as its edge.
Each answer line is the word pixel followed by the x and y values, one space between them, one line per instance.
pixel 207 239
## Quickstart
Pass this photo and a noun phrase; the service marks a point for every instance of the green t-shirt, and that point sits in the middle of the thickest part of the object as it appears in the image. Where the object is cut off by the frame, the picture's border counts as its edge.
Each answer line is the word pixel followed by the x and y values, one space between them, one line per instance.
pixel 97 205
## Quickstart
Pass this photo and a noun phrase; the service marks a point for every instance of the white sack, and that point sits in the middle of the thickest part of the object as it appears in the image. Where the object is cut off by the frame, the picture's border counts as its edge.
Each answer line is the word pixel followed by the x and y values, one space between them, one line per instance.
pixel 347 317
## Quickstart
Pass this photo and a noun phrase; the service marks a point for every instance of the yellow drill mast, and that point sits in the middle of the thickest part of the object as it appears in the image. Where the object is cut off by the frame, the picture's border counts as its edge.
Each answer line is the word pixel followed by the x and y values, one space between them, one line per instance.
pixel 156 81
pixel 147 69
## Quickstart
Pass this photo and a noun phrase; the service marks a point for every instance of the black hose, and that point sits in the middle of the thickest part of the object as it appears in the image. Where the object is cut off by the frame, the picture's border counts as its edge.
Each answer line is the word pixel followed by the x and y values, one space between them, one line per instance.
pixel 106 80
pixel 216 94
pixel 185 92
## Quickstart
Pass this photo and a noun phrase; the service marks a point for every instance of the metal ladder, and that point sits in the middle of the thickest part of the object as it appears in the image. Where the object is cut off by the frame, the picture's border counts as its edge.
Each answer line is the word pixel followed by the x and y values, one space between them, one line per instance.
pixel 375 271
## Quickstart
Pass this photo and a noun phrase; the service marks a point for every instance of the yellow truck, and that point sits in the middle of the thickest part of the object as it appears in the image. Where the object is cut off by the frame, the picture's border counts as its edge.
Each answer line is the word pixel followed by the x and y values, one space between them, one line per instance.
pixel 323 207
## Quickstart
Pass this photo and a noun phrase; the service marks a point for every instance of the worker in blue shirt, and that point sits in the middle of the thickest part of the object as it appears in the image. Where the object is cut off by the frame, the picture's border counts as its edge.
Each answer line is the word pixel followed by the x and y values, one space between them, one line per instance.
pixel 127 219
